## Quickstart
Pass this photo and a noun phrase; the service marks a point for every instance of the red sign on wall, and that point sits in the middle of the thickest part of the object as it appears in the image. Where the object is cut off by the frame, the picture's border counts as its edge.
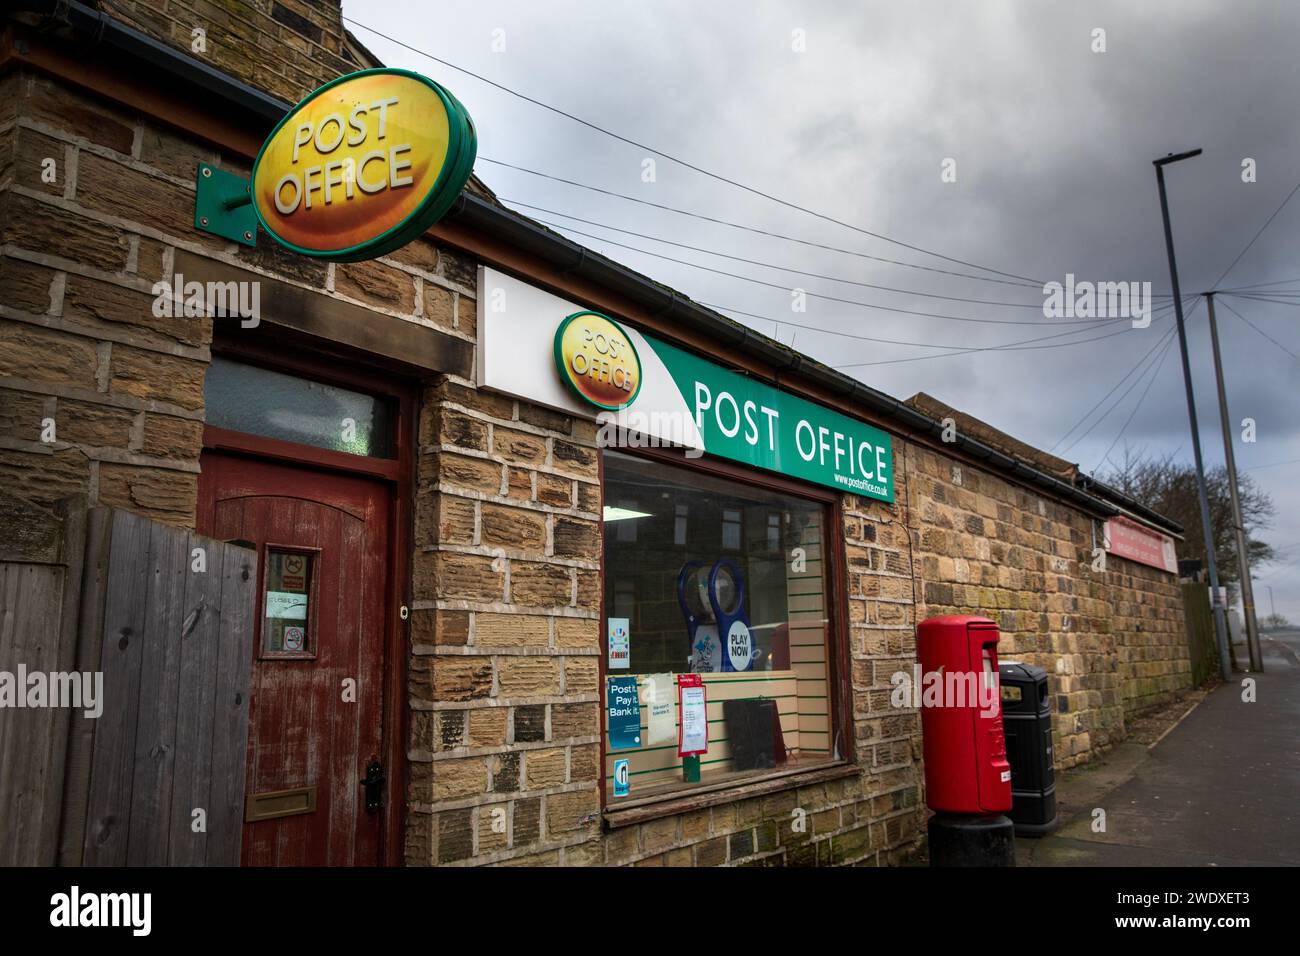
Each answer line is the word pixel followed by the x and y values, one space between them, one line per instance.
pixel 1128 539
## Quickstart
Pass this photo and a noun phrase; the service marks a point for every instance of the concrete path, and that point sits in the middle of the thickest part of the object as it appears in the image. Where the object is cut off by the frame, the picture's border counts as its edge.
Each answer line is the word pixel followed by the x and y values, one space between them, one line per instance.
pixel 1221 789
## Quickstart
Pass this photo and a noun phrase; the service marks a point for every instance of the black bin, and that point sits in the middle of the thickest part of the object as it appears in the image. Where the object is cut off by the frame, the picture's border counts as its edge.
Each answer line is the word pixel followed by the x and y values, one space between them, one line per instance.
pixel 1027 725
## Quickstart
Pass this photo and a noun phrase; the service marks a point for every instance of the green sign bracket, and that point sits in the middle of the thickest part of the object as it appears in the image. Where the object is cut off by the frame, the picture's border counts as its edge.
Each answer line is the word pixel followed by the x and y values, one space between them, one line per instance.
pixel 223 205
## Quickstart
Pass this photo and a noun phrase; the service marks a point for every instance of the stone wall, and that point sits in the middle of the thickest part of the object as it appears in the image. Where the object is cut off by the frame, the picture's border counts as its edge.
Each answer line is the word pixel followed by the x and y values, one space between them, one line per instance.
pixel 505 696
pixel 95 201
pixel 283 47
pixel 1111 641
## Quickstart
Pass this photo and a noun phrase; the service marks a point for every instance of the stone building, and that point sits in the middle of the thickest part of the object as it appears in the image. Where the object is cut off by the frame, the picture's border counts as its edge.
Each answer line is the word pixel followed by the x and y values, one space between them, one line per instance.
pixel 495 572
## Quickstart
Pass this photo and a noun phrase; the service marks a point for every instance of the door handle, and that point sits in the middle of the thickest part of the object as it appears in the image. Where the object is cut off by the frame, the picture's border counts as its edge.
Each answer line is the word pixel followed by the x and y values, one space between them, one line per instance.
pixel 373 781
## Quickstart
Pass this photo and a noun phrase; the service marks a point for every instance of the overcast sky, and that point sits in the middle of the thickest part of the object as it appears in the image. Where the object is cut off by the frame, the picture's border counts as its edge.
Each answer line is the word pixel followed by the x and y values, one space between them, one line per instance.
pixel 1052 144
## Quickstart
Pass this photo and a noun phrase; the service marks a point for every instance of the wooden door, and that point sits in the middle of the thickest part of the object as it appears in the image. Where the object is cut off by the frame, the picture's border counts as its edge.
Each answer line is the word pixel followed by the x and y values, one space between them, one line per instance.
pixel 316 704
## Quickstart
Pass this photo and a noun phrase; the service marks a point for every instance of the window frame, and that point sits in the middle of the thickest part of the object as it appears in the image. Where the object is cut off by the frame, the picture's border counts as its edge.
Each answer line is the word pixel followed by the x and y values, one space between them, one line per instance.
pixel 626 812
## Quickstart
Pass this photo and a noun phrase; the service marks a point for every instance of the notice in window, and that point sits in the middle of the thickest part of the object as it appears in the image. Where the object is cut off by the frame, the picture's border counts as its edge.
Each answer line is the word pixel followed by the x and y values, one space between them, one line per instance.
pixel 694 714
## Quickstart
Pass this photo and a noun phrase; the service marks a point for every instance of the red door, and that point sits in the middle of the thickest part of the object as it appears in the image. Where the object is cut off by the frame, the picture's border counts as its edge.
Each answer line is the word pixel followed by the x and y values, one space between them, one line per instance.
pixel 316 707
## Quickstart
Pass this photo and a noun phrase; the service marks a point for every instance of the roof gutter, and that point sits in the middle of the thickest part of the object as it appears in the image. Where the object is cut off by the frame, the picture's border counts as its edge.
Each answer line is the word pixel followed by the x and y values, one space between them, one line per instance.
pixel 569 256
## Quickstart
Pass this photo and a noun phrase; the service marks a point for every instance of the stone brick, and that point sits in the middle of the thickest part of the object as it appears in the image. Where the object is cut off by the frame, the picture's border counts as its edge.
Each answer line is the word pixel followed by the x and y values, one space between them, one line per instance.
pixel 439 627
pixel 580 675
pixel 169 437
pixel 530 723
pixel 21 415
pixel 166 495
pixel 461 678
pixel 457 520
pixel 96 425
pixel 575 720
pixel 584 763
pixel 566 812
pixel 468 576
pixel 493 827
pixel 519 483
pixel 511 630
pixel 554 490
pixel 439 306
pixel 475 473
pixel 137 197
pixel 569 457
pixel 589 497
pixel 505 772
pixel 376 284
pixel 528 677
pixel 26 286
pixel 455 835
pixel 711 852
pixel 577 632
pixel 31 150
pixel 544 768
pixel 419 253
pixel 59 106
pixel 46 228
pixel 173 154
pixel 540 585
pixel 462 777
pixel 518 447
pixel 576 538
pixel 461 430
pixel 514 528
pixel 490 403
pixel 89 302
pixel 544 418
pixel 157 377
pixel 487 727
pixel 527 822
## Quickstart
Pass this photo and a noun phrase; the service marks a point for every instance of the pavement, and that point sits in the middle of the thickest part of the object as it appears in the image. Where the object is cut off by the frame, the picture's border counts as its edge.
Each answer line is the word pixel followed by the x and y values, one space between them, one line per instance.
pixel 1221 788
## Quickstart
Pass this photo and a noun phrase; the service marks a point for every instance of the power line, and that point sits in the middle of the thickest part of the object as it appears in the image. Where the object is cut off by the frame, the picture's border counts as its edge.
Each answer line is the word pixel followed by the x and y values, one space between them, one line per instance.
pixel 1273 464
pixel 1123 395
pixel 766 265
pixel 811 294
pixel 1141 398
pixel 1113 389
pixel 683 163
pixel 1260 331
pixel 1020 346
pixel 753 229
pixel 1262 298
pixel 1258 234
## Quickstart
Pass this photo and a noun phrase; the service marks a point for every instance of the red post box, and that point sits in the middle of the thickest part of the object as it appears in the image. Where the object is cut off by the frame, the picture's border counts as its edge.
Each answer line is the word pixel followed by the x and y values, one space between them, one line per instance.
pixel 966 768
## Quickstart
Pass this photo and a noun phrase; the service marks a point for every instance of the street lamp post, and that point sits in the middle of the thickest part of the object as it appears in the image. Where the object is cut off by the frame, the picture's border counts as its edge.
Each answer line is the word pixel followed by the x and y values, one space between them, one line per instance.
pixel 1220 621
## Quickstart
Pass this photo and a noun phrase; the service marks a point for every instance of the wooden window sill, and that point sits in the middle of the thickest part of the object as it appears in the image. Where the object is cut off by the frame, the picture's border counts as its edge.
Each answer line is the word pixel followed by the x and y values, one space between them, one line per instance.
pixel 666 805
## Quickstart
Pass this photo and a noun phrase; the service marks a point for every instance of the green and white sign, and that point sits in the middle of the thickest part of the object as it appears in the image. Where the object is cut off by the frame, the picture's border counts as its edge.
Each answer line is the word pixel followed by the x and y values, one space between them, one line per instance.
pixel 752 422
pixel 683 400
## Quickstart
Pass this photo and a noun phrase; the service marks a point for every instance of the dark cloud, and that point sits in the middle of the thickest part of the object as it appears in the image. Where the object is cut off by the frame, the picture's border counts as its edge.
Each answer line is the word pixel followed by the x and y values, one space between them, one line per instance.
pixel 1053 145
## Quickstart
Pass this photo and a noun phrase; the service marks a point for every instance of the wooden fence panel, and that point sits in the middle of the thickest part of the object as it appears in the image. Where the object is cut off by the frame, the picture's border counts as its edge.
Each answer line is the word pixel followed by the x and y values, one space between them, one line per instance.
pixel 176 657
pixel 38 579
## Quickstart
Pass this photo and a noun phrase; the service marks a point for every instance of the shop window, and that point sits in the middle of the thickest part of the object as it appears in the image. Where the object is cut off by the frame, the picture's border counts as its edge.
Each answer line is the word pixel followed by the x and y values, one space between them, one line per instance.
pixel 257 401
pixel 739 597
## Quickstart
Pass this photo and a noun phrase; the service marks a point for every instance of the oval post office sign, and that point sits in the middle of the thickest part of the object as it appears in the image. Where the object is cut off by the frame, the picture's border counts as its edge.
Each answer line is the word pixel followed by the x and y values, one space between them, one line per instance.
pixel 597 360
pixel 363 165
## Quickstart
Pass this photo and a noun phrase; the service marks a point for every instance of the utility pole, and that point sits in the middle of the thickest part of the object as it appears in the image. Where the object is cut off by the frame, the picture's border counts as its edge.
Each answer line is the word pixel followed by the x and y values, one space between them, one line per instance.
pixel 1220 620
pixel 1238 526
